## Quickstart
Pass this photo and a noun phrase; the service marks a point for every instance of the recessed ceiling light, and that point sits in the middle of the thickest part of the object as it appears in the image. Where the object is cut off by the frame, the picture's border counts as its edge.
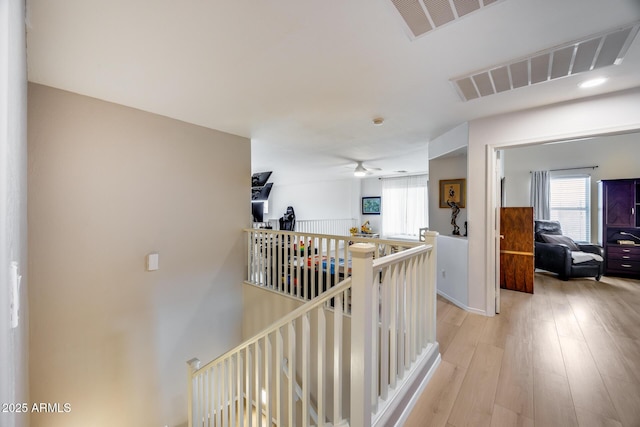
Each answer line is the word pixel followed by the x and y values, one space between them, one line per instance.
pixel 592 83
pixel 378 121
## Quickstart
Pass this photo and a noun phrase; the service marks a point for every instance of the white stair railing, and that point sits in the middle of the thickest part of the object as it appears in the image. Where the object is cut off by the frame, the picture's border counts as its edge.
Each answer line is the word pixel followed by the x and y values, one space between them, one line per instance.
pixel 391 328
pixel 247 383
pixel 303 265
pixel 320 226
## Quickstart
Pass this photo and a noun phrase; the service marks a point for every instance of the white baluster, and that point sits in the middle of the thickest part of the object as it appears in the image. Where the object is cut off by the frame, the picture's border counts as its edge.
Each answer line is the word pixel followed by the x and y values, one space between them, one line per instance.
pixel 232 387
pixel 238 394
pixel 306 400
pixel 267 378
pixel 224 404
pixel 217 385
pixel 402 309
pixel 393 326
pixel 257 375
pixel 249 385
pixel 384 335
pixel 321 348
pixel 192 366
pixel 337 359
pixel 278 375
pixel 431 239
pixel 292 373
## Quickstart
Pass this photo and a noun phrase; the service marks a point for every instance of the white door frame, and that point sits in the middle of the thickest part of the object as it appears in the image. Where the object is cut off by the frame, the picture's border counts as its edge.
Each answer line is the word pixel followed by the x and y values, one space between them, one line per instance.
pixel 492 224
pixel 493 233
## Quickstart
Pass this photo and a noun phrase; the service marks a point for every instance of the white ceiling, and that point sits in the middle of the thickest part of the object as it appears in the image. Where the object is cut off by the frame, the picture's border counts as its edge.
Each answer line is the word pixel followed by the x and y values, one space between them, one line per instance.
pixel 305 79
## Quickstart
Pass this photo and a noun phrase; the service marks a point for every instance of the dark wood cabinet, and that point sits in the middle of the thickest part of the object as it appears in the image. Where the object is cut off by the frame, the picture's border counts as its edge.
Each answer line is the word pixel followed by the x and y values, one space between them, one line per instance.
pixel 619 201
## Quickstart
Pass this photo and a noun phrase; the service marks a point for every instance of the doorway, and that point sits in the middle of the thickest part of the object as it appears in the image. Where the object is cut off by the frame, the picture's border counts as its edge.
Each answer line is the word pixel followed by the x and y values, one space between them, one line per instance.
pixel 517 160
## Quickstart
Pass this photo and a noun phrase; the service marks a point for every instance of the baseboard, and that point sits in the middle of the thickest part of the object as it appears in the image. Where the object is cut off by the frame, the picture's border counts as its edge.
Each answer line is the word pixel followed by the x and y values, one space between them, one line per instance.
pixel 461 305
pixel 418 392
pixel 396 410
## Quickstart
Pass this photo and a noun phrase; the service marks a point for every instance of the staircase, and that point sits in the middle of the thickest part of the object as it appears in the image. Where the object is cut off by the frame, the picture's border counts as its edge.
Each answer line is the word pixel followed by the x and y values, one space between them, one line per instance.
pixel 354 354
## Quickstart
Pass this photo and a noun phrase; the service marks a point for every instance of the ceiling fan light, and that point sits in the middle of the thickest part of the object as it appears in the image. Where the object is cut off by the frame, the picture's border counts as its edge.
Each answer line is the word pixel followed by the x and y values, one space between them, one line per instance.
pixel 360 170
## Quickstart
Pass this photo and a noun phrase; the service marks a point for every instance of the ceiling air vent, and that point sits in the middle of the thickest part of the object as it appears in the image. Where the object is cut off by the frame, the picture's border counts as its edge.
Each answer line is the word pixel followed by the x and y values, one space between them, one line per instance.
pixel 422 16
pixel 569 59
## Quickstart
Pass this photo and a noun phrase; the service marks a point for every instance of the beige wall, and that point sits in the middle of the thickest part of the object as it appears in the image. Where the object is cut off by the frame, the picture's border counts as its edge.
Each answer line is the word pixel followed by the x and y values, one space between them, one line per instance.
pixel 107 185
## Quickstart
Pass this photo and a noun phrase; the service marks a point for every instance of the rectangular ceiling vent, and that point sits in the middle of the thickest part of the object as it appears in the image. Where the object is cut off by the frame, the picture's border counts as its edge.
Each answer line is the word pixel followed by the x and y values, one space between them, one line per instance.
pixel 422 16
pixel 580 56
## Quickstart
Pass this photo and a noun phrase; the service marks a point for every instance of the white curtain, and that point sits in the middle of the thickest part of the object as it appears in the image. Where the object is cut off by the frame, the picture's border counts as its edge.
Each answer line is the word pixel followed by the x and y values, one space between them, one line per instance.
pixel 539 195
pixel 404 205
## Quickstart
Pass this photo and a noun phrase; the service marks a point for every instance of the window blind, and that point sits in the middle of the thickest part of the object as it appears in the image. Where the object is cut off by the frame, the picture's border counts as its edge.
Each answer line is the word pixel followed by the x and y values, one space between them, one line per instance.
pixel 570 203
pixel 404 205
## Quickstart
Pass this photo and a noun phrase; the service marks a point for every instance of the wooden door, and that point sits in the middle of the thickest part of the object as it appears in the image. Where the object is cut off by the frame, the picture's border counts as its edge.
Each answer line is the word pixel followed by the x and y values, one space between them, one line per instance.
pixel 516 249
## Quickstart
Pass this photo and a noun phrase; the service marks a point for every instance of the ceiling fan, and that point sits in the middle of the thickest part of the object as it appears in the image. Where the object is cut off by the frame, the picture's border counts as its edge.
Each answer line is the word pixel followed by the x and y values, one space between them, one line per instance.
pixel 361 171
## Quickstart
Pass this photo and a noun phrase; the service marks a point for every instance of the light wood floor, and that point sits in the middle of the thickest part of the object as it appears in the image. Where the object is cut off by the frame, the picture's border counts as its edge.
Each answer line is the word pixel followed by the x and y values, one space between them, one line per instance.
pixel 568 355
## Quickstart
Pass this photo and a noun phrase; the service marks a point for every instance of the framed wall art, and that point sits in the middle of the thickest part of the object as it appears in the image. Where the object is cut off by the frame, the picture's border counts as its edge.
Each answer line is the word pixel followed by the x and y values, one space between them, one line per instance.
pixel 453 191
pixel 371 205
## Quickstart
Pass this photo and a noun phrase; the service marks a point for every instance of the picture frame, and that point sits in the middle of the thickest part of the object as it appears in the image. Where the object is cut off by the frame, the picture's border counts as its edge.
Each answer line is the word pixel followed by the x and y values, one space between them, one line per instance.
pixel 453 188
pixel 371 205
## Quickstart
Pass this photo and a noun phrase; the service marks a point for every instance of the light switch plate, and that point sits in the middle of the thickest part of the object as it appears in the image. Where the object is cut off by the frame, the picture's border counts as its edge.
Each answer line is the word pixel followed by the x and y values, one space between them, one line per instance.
pixel 15 295
pixel 153 260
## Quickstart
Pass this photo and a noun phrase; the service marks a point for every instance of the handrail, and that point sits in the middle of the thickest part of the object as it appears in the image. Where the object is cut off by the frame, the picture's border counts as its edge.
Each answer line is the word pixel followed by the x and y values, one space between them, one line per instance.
pixel 284 321
pixel 387 260
pixel 357 239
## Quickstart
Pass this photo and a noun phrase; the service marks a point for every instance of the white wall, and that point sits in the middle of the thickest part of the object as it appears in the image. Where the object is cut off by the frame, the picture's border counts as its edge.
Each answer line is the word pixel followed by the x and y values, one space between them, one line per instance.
pixel 13 208
pixel 453 167
pixel 338 199
pixel 455 140
pixel 107 185
pixel 371 187
pixel 618 112
pixel 447 160
pixel 452 269
pixel 616 156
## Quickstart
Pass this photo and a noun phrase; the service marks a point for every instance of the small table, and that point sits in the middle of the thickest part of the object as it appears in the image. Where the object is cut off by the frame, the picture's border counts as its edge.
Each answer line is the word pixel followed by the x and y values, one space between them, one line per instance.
pixel 369 235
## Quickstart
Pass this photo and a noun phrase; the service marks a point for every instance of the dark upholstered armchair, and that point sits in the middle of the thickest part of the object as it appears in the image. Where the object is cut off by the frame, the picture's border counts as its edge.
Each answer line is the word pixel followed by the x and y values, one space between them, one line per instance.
pixel 553 252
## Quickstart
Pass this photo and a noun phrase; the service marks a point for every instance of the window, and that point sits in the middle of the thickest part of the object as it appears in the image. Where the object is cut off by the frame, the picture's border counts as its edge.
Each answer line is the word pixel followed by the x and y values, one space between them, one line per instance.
pixel 404 205
pixel 570 203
